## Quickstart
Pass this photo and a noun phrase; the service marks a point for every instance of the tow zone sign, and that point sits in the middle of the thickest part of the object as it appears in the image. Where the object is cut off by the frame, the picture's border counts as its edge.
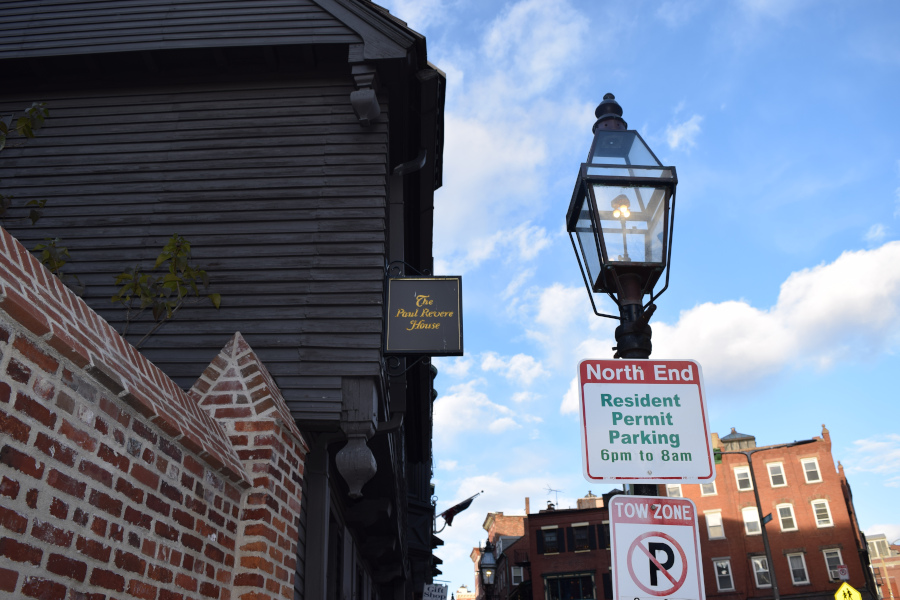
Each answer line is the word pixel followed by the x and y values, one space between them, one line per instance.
pixel 655 549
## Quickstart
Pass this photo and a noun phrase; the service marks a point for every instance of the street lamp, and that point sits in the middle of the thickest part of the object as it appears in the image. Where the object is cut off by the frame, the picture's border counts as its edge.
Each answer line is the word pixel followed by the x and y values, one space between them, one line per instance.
pixel 488 568
pixel 620 223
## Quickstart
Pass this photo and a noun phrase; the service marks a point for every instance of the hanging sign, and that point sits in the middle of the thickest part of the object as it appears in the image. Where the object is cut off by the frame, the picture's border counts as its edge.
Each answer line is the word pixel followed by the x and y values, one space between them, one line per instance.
pixel 424 316
pixel 434 591
pixel 655 549
pixel 644 421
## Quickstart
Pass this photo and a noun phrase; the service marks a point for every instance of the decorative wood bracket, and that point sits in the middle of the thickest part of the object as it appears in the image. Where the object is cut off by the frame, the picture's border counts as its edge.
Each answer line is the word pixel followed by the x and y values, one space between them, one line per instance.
pixel 365 100
pixel 355 461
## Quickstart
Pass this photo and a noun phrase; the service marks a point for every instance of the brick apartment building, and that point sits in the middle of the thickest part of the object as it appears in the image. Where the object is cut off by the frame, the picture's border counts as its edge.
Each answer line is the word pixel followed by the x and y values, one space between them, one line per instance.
pixel 813 530
pixel 885 563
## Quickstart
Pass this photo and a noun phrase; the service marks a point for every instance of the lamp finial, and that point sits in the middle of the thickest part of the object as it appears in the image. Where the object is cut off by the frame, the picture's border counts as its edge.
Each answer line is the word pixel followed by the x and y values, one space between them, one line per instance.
pixel 609 114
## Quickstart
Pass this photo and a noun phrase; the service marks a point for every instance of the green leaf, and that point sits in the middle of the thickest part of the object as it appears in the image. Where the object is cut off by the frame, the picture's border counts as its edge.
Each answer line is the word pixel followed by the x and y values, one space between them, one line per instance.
pixel 216 300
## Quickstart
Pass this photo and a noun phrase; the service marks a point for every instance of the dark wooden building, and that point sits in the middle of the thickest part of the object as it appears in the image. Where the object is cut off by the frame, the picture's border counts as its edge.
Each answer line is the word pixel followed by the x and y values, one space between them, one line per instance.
pixel 297 145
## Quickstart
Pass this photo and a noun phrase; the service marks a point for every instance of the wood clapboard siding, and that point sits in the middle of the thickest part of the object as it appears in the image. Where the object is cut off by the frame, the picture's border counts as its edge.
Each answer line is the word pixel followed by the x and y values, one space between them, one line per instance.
pixel 279 190
pixel 60 27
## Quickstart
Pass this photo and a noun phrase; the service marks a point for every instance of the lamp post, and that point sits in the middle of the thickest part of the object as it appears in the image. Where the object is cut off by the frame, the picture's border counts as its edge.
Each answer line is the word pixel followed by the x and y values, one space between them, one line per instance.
pixel 488 569
pixel 762 522
pixel 620 223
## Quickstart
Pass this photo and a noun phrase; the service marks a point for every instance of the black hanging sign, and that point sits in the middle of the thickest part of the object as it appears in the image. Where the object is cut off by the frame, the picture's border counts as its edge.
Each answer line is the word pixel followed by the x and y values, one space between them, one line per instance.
pixel 424 316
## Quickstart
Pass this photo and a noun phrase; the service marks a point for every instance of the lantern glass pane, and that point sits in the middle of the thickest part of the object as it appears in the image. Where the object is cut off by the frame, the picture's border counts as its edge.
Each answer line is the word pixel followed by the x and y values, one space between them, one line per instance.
pixel 633 222
pixel 587 242
pixel 621 148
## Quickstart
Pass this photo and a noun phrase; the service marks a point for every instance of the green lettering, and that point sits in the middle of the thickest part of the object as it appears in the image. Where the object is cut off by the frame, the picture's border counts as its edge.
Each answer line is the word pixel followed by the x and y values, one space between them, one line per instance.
pixel 605 399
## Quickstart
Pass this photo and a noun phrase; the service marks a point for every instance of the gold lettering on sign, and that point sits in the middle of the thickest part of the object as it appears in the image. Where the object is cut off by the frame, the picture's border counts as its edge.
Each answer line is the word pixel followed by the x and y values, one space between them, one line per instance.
pixel 406 313
pixel 413 325
pixel 422 300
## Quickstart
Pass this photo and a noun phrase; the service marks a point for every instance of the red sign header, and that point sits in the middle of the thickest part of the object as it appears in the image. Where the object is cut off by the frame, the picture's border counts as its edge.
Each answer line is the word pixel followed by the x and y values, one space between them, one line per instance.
pixel 639 371
pixel 652 511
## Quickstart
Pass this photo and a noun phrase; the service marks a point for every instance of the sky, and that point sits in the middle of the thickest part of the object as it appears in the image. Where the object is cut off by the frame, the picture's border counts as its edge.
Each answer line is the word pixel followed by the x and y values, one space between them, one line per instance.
pixel 781 117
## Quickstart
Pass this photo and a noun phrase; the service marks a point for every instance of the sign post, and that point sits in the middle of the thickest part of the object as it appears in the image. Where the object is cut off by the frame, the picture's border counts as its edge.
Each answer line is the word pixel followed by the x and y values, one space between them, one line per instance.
pixel 655 549
pixel 644 421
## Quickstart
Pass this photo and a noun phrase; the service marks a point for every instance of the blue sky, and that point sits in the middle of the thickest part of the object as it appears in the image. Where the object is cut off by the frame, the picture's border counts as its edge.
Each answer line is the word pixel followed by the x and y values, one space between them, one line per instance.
pixel 781 117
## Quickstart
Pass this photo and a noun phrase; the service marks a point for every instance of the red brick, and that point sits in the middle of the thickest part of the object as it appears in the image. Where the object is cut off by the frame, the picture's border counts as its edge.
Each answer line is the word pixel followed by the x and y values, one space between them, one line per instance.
pixel 257 514
pixel 10 519
pixel 45 362
pixel 120 461
pixel 116 532
pixel 19 552
pixel 148 548
pixel 192 542
pixel 134 494
pixel 80 438
pixel 183 518
pixel 170 492
pixel 67 567
pixel 98 526
pixel 250 580
pixel 170 595
pixel 14 428
pixel 160 574
pixel 69 348
pixel 9 488
pixel 17 371
pixel 170 449
pixel 214 553
pixel 66 484
pixel 65 402
pixel 130 562
pixel 35 410
pixel 145 476
pixel 4 392
pixel 106 503
pixel 142 590
pixel 93 549
pixel 135 517
pixel 157 504
pixel 107 580
pixel 21 462
pixel 80 517
pixel 112 409
pixel 166 531
pixel 140 428
pixel 53 535
pixel 96 472
pixel 55 450
pixel 21 310
pixel 43 589
pixel 185 582
pixel 8 580
pixel 209 590
pixel 59 509
pixel 193 466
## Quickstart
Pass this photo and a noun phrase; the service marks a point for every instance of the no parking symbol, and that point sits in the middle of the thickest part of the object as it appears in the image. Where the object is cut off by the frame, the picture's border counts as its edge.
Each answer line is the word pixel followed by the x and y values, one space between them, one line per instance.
pixel 655 549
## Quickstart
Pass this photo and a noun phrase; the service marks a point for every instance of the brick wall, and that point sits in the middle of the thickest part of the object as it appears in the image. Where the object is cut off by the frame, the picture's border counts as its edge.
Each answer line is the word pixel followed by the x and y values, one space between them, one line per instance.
pixel 116 483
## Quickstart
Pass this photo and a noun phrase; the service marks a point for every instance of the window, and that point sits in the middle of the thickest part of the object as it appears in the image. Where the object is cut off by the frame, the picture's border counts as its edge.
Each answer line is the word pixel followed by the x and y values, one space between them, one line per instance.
pixel 517 575
pixel 797 564
pixel 879 548
pixel 811 470
pixel 551 540
pixel 722 567
pixel 604 535
pixel 574 586
pixel 708 489
pixel 822 512
pixel 742 474
pixel 714 526
pixel 580 533
pixel 751 521
pixel 673 490
pixel 786 517
pixel 776 474
pixel 832 560
pixel 761 571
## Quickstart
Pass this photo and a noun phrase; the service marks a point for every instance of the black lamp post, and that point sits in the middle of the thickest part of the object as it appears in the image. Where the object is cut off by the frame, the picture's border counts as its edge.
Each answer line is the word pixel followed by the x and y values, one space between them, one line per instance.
pixel 620 223
pixel 488 569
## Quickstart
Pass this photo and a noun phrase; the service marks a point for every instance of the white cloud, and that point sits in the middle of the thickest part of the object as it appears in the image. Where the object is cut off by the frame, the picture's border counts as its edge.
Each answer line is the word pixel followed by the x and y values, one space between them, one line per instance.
pixel 418 14
pixel 520 397
pixel 570 399
pixel 876 234
pixel 454 367
pixel 467 409
pixel 891 530
pixel 520 368
pixel 772 9
pixel 879 454
pixel 684 133
pixel 448 465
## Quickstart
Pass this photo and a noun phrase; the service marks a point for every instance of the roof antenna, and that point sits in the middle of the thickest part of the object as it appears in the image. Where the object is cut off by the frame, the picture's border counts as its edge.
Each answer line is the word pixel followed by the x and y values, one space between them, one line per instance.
pixel 550 490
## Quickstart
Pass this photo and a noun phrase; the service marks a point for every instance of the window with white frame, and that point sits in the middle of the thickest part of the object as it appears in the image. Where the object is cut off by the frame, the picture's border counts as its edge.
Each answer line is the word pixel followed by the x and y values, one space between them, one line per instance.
pixel 822 513
pixel 714 526
pixel 724 581
pixel 742 475
pixel 797 564
pixel 751 521
pixel 761 571
pixel 811 470
pixel 786 517
pixel 832 561
pixel 673 490
pixel 776 474
pixel 517 575
pixel 708 489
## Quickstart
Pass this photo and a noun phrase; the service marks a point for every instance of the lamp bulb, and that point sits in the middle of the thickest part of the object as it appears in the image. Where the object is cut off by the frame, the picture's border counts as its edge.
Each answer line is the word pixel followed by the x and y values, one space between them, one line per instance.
pixel 616 213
